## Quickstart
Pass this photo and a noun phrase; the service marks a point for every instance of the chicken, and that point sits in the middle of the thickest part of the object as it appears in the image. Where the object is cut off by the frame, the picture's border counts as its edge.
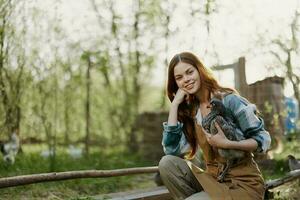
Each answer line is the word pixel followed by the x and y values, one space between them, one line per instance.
pixel 293 163
pixel 10 148
pixel 220 114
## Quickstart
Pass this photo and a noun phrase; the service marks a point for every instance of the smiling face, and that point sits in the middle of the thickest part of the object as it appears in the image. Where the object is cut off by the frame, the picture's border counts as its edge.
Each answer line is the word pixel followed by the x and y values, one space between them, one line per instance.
pixel 187 77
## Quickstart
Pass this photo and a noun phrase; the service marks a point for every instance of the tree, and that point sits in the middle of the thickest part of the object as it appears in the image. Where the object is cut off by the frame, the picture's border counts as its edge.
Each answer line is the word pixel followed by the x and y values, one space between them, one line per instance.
pixel 12 63
pixel 122 72
pixel 287 53
pixel 167 9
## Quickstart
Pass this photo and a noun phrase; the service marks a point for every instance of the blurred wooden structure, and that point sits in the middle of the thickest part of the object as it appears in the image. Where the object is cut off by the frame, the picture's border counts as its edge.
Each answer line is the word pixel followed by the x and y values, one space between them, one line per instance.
pixel 268 96
pixel 149 127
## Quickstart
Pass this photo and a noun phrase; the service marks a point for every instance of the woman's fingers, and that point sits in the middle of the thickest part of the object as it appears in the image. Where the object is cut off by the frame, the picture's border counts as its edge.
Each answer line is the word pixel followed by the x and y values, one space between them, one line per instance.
pixel 217 126
pixel 179 96
pixel 220 131
pixel 207 135
pixel 217 140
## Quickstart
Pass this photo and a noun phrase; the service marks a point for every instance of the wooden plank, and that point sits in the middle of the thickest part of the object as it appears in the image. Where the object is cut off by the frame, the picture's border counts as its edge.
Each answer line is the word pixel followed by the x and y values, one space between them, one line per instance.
pixel 157 193
pixel 222 67
pixel 161 193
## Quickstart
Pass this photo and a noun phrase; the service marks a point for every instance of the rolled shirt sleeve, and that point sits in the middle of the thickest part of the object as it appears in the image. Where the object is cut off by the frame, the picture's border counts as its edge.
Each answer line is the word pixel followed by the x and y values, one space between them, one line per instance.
pixel 174 141
pixel 250 124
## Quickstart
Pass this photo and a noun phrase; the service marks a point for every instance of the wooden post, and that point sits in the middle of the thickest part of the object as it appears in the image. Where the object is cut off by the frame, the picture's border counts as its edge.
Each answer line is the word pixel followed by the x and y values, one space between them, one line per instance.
pixel 240 82
pixel 240 76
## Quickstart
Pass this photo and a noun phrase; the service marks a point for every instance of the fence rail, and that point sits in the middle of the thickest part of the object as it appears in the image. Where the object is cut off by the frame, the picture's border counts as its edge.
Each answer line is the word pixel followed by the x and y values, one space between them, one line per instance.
pixel 59 176
pixel 157 193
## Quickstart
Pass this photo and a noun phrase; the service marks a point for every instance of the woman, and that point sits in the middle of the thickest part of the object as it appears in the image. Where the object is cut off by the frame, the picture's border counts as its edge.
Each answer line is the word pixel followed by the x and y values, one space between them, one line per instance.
pixel 190 87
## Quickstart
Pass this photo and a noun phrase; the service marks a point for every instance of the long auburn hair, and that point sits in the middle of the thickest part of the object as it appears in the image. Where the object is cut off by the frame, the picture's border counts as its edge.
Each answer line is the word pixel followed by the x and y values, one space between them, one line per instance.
pixel 187 109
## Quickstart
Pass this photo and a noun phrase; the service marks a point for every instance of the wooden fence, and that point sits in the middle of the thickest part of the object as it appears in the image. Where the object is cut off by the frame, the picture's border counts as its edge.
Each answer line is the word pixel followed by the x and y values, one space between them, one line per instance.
pixel 157 193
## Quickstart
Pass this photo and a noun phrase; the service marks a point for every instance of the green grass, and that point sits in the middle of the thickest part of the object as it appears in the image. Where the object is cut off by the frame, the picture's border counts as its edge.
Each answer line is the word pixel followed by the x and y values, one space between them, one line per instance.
pixel 30 162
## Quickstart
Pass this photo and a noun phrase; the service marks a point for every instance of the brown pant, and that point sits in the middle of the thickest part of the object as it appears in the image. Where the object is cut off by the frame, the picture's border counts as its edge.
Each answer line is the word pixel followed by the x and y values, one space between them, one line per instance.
pixel 179 179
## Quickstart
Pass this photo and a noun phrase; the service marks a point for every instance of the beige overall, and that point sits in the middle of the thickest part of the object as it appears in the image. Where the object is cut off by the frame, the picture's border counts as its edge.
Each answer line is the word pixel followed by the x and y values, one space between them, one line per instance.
pixel 243 181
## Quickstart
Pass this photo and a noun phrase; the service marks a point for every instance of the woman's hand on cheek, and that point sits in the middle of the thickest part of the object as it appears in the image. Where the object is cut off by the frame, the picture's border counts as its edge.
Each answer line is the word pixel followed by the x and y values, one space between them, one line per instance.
pixel 180 96
pixel 219 140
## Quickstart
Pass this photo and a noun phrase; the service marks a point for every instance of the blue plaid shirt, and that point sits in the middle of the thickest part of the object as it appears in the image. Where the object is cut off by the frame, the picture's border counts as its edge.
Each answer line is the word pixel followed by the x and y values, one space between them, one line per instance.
pixel 250 125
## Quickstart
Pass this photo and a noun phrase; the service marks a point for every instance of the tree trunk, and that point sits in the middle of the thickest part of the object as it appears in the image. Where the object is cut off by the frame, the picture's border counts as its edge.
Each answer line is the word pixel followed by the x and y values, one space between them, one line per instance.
pixel 164 92
pixel 132 142
pixel 67 116
pixel 87 106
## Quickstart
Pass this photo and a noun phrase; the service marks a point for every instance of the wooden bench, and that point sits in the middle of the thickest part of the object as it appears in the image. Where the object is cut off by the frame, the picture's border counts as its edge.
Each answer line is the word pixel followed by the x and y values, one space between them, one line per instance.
pixel 162 193
pixel 156 193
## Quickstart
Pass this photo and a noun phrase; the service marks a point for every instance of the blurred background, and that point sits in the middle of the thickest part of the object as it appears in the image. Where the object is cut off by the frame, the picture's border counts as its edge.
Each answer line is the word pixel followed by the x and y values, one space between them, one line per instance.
pixel 82 83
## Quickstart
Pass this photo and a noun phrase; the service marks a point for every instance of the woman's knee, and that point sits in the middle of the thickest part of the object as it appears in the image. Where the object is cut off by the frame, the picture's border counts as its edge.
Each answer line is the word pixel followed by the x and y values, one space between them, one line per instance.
pixel 166 162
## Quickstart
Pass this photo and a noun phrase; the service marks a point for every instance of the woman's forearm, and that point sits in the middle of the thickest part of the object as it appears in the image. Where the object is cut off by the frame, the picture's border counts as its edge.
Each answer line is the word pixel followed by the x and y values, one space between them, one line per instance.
pixel 172 120
pixel 245 145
